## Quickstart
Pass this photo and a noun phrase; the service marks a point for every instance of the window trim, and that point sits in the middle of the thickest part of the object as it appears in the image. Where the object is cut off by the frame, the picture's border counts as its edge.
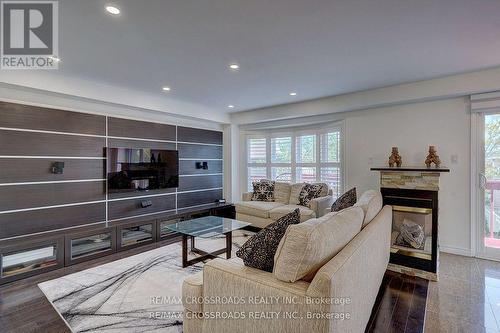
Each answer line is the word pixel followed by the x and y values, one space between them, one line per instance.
pixel 294 133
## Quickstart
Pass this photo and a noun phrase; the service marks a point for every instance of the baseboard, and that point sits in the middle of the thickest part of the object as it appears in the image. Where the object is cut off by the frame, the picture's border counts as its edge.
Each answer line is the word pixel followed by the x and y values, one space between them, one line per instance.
pixel 456 250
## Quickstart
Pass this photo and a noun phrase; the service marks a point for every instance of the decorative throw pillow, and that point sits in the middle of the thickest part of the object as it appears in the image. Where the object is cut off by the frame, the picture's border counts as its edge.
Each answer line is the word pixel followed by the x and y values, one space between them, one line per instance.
pixel 346 200
pixel 263 191
pixel 258 251
pixel 309 192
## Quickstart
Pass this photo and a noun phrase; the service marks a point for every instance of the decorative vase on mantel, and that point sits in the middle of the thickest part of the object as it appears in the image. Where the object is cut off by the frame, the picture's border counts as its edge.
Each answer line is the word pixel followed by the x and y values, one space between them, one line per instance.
pixel 395 159
pixel 433 157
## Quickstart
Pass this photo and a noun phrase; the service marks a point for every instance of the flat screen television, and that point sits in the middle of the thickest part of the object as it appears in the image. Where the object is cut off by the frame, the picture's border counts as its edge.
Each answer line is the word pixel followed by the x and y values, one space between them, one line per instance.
pixel 142 169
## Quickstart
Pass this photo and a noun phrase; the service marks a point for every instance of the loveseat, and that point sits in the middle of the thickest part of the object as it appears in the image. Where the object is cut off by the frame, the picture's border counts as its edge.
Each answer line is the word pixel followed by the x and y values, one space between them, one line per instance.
pixel 286 200
pixel 344 255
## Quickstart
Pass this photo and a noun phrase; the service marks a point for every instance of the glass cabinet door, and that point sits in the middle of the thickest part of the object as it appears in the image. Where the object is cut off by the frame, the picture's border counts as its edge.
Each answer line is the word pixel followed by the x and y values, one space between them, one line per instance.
pixel 29 260
pixel 136 234
pixel 166 232
pixel 89 245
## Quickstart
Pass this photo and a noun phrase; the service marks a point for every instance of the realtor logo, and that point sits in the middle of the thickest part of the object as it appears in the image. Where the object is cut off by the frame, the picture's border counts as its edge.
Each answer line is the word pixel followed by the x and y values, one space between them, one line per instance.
pixel 29 35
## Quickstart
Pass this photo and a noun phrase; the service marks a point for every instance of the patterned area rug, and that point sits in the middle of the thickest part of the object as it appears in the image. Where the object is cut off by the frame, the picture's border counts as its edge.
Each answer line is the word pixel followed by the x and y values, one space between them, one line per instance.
pixel 136 294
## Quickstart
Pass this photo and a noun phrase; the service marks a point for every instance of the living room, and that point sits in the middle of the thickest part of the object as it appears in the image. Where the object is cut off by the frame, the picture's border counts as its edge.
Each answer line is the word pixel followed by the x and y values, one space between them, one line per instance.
pixel 294 166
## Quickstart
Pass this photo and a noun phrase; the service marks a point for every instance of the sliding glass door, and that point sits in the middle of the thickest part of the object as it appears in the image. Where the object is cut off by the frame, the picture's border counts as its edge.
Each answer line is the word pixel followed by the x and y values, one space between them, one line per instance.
pixel 488 189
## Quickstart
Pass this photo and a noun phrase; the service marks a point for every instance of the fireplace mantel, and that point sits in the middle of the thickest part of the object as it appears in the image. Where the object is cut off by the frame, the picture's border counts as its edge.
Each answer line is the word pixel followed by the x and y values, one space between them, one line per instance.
pixel 411 178
pixel 410 169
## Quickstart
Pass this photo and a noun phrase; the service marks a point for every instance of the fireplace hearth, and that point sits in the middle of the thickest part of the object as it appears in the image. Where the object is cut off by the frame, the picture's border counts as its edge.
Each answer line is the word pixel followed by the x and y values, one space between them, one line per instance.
pixel 413 195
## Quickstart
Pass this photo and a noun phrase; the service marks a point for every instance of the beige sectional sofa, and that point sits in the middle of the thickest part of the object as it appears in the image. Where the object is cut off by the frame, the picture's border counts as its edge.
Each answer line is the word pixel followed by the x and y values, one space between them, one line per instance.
pixel 327 274
pixel 286 195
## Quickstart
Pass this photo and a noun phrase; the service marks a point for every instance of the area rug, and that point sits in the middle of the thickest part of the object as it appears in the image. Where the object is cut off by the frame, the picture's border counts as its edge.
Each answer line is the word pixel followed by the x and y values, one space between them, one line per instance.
pixel 141 293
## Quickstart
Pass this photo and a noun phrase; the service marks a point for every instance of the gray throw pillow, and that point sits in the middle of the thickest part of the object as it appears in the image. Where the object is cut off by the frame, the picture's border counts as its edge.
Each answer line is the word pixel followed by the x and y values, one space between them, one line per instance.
pixel 258 251
pixel 346 200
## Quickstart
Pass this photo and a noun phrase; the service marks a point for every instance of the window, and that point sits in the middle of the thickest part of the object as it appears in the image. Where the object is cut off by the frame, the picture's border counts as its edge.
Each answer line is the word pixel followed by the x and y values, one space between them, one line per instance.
pixel 302 156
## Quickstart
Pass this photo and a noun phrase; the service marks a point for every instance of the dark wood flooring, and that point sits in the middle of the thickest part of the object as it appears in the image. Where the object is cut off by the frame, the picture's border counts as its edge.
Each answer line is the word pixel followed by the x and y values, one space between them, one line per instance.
pixel 400 304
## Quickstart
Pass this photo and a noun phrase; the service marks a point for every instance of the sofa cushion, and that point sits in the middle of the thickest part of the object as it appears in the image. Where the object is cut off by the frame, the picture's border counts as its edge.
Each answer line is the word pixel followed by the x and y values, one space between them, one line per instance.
pixel 258 251
pixel 282 192
pixel 192 292
pixel 346 200
pixel 309 192
pixel 371 203
pixel 263 191
pixel 307 246
pixel 295 192
pixel 305 213
pixel 256 208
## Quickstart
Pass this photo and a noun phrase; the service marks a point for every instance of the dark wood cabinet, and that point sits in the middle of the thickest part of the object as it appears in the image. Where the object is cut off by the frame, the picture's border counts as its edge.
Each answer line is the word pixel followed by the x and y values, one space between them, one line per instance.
pixel 65 216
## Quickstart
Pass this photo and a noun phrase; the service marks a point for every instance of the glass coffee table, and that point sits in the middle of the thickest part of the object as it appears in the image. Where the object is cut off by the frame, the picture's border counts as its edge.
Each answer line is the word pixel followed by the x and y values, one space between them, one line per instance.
pixel 206 227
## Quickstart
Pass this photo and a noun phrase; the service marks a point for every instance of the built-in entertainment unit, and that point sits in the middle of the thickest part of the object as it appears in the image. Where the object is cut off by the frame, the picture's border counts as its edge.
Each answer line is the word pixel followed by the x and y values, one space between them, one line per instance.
pixel 142 169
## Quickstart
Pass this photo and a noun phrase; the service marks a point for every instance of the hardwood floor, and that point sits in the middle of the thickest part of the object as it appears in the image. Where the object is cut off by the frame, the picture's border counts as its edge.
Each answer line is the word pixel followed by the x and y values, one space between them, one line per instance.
pixel 400 305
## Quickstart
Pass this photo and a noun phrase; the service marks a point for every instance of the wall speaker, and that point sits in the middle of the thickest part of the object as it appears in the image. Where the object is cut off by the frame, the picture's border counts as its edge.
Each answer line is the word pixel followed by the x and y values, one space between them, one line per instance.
pixel 57 168
pixel 146 203
pixel 202 165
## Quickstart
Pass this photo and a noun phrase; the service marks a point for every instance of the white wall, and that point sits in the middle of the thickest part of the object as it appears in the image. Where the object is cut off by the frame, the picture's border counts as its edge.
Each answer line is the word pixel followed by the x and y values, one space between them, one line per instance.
pixel 413 127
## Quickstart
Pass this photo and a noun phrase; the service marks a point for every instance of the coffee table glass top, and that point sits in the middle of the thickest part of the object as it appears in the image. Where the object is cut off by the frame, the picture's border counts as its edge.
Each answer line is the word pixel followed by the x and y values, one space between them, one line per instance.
pixel 207 226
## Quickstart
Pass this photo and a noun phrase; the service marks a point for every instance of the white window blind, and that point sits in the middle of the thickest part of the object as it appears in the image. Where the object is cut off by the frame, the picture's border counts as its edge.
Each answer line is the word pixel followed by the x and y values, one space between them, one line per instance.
pixel 487 102
pixel 301 156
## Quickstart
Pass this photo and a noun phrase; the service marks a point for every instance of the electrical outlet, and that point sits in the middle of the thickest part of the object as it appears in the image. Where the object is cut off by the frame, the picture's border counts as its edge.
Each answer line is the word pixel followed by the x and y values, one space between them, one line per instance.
pixel 454 159
pixel 370 161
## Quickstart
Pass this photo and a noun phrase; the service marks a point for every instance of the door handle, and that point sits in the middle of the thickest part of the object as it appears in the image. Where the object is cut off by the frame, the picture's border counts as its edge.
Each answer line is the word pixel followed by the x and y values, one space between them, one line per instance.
pixel 482 181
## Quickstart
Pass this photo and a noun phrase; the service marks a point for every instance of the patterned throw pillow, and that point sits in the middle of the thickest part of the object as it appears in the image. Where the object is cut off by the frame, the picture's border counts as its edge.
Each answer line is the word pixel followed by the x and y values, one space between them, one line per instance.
pixel 258 251
pixel 263 190
pixel 346 200
pixel 309 192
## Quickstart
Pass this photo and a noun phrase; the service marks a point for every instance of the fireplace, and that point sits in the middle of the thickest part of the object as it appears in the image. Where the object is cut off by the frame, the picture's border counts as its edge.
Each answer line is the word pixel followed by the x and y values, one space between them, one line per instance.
pixel 413 195
pixel 414 214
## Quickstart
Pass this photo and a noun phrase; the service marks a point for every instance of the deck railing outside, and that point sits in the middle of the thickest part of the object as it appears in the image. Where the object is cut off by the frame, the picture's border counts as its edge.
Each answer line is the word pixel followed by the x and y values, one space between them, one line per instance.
pixel 492 217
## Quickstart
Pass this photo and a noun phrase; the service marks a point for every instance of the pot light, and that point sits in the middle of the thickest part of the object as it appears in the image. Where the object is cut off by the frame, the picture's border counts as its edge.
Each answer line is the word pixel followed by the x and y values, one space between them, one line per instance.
pixel 230 106
pixel 293 94
pixel 166 88
pixel 113 10
pixel 234 67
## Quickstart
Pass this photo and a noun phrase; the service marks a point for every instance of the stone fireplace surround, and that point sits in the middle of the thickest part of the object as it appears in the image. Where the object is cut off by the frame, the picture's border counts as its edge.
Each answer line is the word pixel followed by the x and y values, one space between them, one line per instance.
pixel 413 193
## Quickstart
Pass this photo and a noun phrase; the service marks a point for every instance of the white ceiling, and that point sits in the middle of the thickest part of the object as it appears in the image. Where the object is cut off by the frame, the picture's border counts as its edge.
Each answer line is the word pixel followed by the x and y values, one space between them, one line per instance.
pixel 314 47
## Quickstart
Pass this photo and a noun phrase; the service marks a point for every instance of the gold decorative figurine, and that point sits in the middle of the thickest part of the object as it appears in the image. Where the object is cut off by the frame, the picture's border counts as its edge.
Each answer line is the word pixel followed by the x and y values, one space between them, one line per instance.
pixel 433 157
pixel 395 158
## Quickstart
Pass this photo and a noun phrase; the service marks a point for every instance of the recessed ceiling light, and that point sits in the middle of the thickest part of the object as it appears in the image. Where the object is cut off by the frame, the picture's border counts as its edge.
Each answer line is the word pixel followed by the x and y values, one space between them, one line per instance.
pixel 234 67
pixel 166 88
pixel 293 94
pixel 113 10
pixel 230 106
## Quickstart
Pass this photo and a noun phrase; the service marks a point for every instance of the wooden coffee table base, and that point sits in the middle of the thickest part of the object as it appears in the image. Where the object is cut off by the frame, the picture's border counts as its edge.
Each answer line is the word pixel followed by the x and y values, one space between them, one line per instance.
pixel 204 254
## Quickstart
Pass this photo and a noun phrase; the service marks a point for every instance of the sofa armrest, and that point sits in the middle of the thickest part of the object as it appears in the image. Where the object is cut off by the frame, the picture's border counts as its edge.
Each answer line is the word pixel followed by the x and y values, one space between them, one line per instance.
pixel 319 205
pixel 356 272
pixel 246 196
